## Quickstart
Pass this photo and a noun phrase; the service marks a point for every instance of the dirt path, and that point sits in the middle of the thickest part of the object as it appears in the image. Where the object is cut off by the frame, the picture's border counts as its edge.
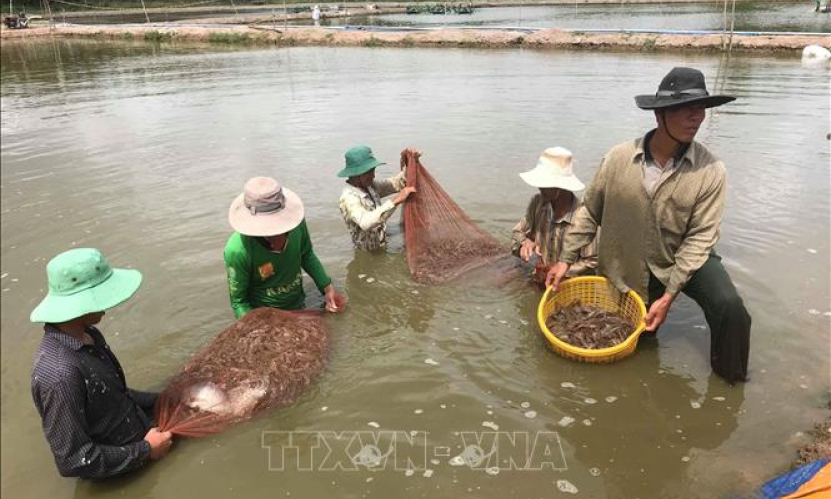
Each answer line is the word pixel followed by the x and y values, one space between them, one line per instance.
pixel 550 38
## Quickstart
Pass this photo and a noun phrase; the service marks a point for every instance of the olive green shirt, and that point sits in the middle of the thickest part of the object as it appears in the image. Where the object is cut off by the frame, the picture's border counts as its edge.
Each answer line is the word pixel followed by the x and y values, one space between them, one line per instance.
pixel 669 233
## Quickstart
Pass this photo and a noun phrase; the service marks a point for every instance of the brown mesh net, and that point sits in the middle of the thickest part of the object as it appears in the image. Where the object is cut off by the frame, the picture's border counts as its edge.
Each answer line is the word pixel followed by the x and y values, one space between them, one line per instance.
pixel 260 362
pixel 442 241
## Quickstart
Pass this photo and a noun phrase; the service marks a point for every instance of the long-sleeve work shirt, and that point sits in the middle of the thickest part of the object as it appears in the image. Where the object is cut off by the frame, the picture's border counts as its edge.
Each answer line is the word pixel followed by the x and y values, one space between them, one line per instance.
pixel 93 423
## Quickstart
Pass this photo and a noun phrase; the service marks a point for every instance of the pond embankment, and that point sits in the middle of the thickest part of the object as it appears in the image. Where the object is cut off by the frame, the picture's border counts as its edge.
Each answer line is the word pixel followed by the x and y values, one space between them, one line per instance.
pixel 542 39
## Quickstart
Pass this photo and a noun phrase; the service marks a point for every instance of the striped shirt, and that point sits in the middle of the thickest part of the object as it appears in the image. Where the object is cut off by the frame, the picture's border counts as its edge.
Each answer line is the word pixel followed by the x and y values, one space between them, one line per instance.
pixel 93 423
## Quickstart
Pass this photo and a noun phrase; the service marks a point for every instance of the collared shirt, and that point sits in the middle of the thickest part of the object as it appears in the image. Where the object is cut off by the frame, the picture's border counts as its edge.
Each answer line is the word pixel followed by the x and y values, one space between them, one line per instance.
pixel 364 213
pixel 94 424
pixel 260 277
pixel 540 226
pixel 653 173
pixel 670 233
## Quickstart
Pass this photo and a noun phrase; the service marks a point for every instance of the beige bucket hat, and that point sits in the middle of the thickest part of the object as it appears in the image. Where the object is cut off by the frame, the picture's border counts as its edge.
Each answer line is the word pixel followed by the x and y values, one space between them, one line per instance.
pixel 554 170
pixel 265 208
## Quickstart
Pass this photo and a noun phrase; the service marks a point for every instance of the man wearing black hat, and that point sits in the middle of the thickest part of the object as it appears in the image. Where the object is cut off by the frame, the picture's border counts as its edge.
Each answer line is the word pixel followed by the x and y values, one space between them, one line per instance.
pixel 660 200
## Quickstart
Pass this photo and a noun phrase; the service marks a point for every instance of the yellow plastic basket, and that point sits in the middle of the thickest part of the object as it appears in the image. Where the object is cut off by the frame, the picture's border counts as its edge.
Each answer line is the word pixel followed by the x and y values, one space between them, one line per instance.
pixel 598 292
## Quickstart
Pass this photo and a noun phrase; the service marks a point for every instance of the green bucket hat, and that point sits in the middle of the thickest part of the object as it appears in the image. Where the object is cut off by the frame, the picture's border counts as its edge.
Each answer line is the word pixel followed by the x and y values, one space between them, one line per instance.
pixel 359 160
pixel 82 282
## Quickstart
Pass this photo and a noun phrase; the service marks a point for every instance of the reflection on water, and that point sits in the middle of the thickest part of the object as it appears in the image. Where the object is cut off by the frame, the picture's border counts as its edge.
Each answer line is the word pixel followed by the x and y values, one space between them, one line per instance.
pixel 755 16
pixel 750 16
pixel 139 149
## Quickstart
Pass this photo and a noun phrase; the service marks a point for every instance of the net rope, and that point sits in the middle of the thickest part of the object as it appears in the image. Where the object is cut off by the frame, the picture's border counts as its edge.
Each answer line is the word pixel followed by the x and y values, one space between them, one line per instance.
pixel 262 361
pixel 442 241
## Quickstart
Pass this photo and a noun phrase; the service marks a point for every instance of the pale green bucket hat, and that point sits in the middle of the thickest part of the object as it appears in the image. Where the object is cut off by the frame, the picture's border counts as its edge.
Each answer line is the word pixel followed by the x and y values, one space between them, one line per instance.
pixel 359 160
pixel 81 282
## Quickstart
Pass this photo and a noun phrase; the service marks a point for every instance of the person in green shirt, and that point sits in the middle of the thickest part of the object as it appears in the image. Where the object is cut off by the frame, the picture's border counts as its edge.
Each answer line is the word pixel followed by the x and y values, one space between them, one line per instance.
pixel 270 247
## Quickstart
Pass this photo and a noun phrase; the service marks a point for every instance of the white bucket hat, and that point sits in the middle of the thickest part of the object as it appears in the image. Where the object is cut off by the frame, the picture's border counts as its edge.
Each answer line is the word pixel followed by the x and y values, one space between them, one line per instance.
pixel 265 208
pixel 554 170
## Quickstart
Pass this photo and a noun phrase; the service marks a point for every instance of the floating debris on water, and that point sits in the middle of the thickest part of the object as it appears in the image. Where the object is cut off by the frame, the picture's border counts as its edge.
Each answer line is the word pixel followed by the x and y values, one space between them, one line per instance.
pixel 369 479
pixel 455 329
pixel 427 473
pixel 489 317
pixel 5 274
pixel 594 472
pixel 686 459
pixel 418 411
pixel 490 413
pixel 457 461
pixel 590 401
pixel 493 471
pixel 370 280
pixel 565 421
pixel 431 362
pixel 700 326
pixel 567 384
pixel 525 405
pixel 695 405
pixel 587 326
pixel 812 251
pixel 490 424
pixel 443 406
pixel 435 462
pixel 373 424
pixel 566 486
pixel 803 386
pixel 720 399
pixel 324 408
pixel 611 398
pixel 814 311
pixel 503 321
pixel 587 422
pixel 415 291
pixel 531 414
pixel 523 322
pixel 409 472
pixel 361 276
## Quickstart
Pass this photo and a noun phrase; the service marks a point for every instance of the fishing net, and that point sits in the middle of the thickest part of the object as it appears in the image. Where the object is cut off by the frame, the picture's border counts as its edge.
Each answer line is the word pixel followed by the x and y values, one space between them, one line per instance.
pixel 442 241
pixel 261 361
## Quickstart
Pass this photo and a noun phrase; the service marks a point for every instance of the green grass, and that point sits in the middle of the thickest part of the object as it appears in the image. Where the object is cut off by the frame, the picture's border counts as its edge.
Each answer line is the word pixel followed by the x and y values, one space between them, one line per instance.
pixel 649 44
pixel 373 42
pixel 232 38
pixel 157 36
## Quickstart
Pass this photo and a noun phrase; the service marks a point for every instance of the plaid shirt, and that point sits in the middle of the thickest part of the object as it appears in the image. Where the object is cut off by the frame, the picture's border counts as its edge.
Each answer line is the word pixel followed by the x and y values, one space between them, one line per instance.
pixel 94 424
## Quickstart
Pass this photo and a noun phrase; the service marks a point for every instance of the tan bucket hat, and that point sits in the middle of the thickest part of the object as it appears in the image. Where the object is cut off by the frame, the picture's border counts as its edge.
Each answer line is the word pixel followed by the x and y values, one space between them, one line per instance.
pixel 265 208
pixel 554 170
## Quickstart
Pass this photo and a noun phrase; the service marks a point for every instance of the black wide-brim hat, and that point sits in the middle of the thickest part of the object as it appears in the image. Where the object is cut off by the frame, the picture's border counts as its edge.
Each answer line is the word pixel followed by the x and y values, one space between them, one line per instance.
pixel 682 86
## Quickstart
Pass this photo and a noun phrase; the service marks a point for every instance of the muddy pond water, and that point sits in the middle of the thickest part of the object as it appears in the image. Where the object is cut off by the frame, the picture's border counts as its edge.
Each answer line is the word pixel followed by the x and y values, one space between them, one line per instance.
pixel 139 150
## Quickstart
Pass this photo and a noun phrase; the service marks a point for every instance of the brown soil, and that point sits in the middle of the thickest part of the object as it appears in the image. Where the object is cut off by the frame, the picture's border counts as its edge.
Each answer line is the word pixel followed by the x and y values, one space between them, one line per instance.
pixel 550 38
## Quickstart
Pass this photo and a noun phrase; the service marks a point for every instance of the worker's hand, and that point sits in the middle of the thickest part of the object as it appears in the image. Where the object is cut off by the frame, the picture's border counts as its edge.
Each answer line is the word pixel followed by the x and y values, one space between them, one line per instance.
pixel 404 153
pixel 658 312
pixel 160 442
pixel 556 274
pixel 402 195
pixel 335 302
pixel 528 249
